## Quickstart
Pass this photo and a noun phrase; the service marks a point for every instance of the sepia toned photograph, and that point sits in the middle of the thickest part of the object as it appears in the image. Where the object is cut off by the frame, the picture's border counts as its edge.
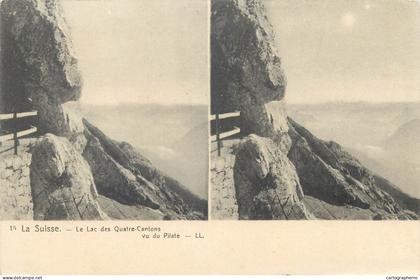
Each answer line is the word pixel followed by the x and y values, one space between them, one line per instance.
pixel 104 110
pixel 209 137
pixel 315 110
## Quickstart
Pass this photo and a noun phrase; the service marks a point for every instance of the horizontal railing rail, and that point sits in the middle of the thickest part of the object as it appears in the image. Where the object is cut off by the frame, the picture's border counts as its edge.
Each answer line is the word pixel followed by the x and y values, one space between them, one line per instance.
pixel 18 115
pixel 223 126
pixel 17 125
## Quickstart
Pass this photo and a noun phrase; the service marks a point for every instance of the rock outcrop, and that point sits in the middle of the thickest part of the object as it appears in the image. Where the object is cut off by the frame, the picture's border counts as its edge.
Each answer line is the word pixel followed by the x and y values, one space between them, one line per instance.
pixel 266 183
pixel 39 68
pixel 404 200
pixel 123 174
pixel 330 174
pixel 62 184
pixel 281 170
pixel 75 160
pixel 247 76
pixel 246 73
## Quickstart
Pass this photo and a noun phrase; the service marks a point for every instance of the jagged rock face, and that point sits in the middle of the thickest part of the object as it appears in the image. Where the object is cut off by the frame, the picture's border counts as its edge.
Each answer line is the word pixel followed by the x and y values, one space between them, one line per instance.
pixel 61 182
pixel 403 199
pixel 121 173
pixel 246 70
pixel 113 180
pixel 36 48
pixel 38 62
pixel 266 183
pixel 330 174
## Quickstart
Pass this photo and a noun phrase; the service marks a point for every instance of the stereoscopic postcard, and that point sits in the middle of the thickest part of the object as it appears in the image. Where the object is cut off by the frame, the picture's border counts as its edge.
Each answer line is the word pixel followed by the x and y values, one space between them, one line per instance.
pixel 209 137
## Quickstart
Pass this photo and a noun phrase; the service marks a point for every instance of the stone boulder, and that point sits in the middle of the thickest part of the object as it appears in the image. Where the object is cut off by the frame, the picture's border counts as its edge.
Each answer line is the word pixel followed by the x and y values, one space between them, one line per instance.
pixel 267 186
pixel 62 185
pixel 246 72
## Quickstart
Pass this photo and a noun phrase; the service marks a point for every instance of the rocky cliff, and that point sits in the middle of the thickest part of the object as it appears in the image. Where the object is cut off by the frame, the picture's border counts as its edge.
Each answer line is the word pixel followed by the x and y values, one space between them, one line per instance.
pixel 39 68
pixel 73 163
pixel 246 73
pixel 281 170
pixel 330 174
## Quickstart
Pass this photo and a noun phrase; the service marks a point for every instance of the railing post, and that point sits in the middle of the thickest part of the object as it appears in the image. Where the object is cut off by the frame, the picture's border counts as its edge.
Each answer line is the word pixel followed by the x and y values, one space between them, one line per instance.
pixel 240 126
pixel 37 123
pixel 15 139
pixel 218 135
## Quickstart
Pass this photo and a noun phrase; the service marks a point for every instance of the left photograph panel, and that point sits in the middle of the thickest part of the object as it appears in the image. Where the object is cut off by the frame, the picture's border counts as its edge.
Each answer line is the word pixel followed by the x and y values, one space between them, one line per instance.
pixel 104 109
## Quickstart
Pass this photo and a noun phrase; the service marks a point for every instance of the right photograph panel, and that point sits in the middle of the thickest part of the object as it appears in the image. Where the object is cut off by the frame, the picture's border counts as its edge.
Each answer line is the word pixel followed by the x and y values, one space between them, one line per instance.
pixel 315 110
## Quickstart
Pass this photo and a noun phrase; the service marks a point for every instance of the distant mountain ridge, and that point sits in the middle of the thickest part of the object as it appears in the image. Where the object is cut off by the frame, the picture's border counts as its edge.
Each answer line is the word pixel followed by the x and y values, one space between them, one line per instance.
pixel 406 136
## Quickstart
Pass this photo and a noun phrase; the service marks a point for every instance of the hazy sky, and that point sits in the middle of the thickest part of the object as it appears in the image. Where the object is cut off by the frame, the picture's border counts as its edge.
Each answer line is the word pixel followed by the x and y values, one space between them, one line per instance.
pixel 157 51
pixel 348 50
pixel 141 50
